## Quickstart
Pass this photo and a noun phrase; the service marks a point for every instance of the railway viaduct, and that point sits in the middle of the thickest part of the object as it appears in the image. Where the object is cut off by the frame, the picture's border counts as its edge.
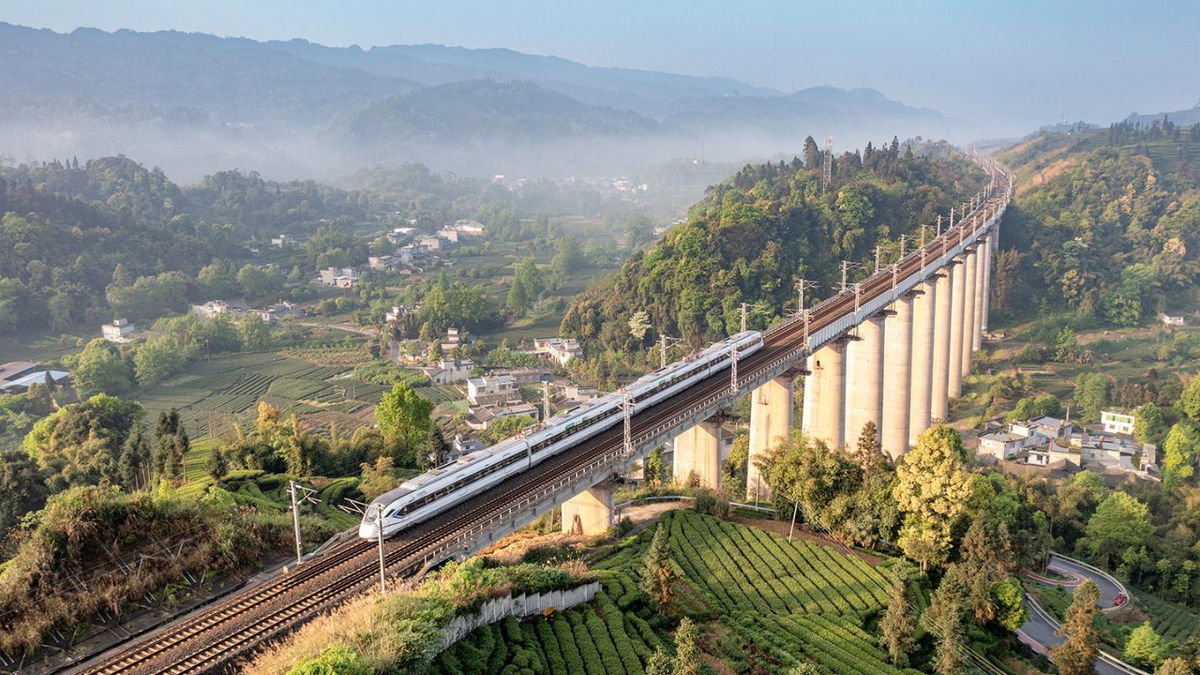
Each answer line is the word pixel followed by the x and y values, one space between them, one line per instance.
pixel 891 349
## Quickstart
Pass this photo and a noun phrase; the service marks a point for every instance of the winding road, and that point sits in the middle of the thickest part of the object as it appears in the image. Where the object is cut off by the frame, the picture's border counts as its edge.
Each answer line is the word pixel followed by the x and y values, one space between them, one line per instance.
pixel 1040 632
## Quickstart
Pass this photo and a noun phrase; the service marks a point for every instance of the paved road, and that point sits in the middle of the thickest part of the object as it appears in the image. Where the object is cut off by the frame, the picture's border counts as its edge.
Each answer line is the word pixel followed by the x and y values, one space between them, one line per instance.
pixel 1040 632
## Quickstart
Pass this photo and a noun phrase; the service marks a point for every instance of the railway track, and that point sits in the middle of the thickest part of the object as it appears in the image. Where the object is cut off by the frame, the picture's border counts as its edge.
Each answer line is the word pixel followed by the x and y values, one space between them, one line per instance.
pixel 217 637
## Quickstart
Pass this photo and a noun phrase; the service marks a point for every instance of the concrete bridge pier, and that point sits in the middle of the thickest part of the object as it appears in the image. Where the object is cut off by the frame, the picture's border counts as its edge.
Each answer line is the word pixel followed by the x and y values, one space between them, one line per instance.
pixel 699 449
pixel 825 409
pixel 981 289
pixel 954 365
pixel 924 304
pixel 971 287
pixel 771 414
pixel 990 241
pixel 864 378
pixel 944 309
pixel 897 375
pixel 589 512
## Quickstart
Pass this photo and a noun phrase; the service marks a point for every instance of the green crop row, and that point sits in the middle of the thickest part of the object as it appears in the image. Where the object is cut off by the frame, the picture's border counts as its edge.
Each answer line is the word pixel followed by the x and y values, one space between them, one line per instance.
pixel 746 569
pixel 1169 620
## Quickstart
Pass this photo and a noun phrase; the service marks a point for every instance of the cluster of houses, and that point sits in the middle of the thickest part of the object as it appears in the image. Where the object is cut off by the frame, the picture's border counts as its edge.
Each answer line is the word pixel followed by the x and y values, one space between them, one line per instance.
pixel 415 251
pixel 215 308
pixel 17 376
pixel 1058 447
pixel 338 277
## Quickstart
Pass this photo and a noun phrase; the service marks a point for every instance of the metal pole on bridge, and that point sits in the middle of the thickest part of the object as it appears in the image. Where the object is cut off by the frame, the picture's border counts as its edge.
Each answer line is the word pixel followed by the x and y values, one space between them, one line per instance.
pixel 379 537
pixel 295 517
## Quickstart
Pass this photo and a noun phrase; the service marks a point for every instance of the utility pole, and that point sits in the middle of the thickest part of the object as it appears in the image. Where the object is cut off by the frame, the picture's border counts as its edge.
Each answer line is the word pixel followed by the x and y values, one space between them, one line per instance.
pixel 379 538
pixel 801 286
pixel 939 225
pixel 299 495
pixel 744 317
pixel 845 268
pixel 902 242
pixel 545 400
pixel 951 217
pixel 627 405
pixel 805 314
pixel 857 288
pixel 733 388
pixel 923 236
pixel 895 274
pixel 877 249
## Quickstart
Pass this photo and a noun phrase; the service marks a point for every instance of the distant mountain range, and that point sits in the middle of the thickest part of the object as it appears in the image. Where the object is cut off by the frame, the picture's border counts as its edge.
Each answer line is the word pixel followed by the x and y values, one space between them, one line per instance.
pixel 1181 118
pixel 194 103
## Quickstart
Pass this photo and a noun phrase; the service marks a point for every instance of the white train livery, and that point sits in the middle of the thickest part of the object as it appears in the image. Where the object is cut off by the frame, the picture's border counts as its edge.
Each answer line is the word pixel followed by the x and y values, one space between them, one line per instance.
pixel 435 491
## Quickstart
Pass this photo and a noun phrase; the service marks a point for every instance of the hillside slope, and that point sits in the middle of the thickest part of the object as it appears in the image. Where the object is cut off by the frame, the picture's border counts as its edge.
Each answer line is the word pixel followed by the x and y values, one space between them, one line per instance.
pixel 1106 224
pixel 753 235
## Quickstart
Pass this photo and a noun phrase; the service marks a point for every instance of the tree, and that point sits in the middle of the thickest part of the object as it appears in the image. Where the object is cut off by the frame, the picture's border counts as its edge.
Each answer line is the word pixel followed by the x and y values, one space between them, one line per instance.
pixel 157 359
pixel 687 649
pixel 1189 401
pixel 378 479
pixel 1120 521
pixel 506 427
pixel 654 471
pixel 1172 666
pixel 870 455
pixel 639 325
pixel 897 630
pixel 23 485
pixel 943 619
pixel 567 257
pixel 1091 393
pixel 217 465
pixel 134 465
pixel 657 572
pixel 933 489
pixel 1008 597
pixel 253 332
pixel 1179 453
pixel 660 663
pixel 100 369
pixel 404 418
pixel 1144 647
pixel 1077 655
pixel 1149 425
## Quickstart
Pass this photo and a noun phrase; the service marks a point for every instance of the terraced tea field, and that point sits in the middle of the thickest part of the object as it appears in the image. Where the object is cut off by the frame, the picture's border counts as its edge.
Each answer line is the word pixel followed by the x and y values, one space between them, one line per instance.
pixel 215 394
pixel 776 604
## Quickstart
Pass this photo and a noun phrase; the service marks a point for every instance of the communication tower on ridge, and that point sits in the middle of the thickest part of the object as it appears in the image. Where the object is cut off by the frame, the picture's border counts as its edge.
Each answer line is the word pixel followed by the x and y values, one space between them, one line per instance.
pixel 827 169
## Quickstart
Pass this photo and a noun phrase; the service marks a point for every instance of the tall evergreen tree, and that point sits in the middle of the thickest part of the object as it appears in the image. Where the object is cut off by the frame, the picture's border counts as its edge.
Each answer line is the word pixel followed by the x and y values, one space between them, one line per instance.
pixel 897 631
pixel 657 573
pixel 1077 655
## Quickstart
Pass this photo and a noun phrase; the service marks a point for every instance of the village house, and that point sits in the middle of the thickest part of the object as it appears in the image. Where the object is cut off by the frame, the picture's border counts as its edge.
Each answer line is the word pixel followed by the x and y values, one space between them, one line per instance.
pixel 282 241
pixel 1117 422
pixel 211 309
pixel 490 390
pixel 449 371
pixel 1171 319
pixel 120 330
pixel 339 277
pixel 482 417
pixel 559 350
pixel 17 376
pixel 382 263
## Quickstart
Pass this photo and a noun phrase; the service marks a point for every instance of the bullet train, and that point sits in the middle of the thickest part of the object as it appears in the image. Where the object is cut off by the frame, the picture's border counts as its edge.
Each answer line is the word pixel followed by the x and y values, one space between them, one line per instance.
pixel 435 491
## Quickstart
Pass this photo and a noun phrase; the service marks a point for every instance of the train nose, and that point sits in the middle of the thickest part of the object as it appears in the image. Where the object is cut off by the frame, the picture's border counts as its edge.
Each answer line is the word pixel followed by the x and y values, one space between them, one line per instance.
pixel 368 530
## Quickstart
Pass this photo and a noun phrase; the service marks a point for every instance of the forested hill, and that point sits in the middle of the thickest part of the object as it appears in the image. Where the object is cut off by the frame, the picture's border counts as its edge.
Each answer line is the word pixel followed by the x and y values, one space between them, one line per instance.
pixel 750 237
pixel 1108 222
pixel 65 228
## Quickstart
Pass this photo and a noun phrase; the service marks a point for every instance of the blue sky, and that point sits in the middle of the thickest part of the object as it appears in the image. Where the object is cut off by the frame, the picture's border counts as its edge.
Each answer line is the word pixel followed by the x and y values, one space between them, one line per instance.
pixel 1013 63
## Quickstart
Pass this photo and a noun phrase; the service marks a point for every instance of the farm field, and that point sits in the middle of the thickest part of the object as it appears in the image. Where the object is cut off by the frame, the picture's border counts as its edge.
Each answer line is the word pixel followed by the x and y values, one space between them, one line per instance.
pixel 764 605
pixel 214 395
pixel 1172 622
